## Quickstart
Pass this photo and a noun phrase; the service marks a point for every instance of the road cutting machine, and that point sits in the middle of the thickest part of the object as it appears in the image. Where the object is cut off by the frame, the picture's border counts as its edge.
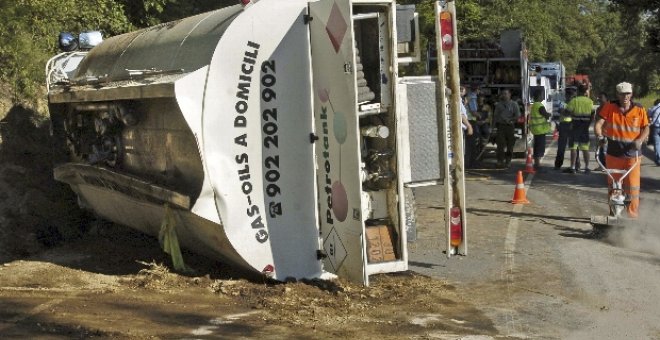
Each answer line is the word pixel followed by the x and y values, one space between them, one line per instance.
pixel 265 134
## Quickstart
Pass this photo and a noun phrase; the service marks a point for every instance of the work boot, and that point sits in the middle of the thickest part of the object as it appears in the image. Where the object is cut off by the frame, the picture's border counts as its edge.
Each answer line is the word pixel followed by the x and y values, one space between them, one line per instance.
pixel 558 165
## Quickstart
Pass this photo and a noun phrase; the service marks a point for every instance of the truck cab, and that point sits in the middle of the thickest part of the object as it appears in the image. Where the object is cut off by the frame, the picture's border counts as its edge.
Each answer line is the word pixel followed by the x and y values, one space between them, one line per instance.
pixel 556 74
pixel 539 84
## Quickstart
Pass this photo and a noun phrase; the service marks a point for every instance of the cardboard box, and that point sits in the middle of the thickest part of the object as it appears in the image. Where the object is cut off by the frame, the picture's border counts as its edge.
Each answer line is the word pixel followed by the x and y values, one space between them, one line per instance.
pixel 379 244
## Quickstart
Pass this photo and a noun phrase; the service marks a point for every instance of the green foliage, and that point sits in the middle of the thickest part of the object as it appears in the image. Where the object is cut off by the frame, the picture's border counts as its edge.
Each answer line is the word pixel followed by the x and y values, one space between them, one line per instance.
pixel 28 35
pixel 29 30
pixel 145 13
pixel 563 30
pixel 151 12
pixel 628 57
pixel 648 100
pixel 609 40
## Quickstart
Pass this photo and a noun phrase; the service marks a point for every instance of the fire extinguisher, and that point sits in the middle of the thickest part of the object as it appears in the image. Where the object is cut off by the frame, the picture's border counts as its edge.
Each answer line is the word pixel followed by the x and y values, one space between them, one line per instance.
pixel 455 227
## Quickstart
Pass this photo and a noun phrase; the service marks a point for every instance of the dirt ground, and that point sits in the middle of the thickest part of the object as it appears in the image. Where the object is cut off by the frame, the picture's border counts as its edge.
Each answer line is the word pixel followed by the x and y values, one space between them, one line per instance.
pixel 103 286
pixel 65 275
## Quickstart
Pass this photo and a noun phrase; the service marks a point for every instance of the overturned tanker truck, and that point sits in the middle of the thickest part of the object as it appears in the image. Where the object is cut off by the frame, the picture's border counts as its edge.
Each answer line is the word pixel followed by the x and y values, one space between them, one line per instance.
pixel 274 142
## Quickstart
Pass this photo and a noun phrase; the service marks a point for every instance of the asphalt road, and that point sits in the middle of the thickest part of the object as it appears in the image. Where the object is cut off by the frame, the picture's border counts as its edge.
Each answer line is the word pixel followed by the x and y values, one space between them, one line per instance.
pixel 538 270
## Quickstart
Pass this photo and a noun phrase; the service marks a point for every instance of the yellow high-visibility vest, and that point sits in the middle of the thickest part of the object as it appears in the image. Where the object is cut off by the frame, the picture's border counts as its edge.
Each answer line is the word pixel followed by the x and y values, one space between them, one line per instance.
pixel 538 125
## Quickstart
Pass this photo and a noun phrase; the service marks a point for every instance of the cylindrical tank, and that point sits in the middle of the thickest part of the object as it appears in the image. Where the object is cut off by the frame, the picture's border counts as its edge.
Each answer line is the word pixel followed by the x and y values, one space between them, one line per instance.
pixel 211 116
pixel 185 45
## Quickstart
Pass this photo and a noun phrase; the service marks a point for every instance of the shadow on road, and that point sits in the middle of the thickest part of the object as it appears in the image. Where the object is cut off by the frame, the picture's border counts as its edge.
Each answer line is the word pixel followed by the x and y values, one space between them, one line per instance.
pixel 549 176
pixel 530 217
pixel 580 233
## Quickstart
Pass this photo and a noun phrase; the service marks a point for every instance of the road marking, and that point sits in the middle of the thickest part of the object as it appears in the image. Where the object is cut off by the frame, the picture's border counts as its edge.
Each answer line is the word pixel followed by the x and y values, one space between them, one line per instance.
pixel 509 262
pixel 509 256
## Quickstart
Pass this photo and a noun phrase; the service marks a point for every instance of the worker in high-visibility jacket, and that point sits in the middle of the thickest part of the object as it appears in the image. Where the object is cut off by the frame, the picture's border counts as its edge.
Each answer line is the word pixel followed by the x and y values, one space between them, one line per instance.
pixel 626 129
pixel 580 108
pixel 539 126
pixel 564 130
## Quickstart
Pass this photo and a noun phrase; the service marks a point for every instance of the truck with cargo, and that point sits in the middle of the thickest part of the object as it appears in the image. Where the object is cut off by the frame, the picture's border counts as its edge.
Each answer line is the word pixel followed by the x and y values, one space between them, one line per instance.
pixel 270 135
pixel 496 66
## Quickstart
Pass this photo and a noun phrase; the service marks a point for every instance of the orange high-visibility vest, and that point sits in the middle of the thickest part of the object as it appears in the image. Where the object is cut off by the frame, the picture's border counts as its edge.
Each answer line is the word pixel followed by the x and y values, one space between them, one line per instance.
pixel 623 128
pixel 621 131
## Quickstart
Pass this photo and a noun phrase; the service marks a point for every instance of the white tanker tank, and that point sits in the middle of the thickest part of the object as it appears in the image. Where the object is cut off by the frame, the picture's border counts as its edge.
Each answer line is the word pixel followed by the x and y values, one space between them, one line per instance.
pixel 270 130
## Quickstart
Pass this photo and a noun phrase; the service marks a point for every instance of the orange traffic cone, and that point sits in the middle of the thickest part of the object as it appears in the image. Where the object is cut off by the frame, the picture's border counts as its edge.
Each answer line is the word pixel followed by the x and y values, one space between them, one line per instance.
pixel 519 195
pixel 529 165
pixel 555 135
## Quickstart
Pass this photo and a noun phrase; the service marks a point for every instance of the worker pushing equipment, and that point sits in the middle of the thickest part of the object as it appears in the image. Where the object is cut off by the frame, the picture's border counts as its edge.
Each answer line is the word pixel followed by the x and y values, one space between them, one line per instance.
pixel 618 201
pixel 624 126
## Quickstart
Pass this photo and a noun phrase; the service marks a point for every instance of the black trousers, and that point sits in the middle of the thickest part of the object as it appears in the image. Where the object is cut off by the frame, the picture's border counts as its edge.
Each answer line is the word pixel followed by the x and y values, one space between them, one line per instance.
pixel 564 134
pixel 471 145
pixel 565 138
pixel 505 139
pixel 539 146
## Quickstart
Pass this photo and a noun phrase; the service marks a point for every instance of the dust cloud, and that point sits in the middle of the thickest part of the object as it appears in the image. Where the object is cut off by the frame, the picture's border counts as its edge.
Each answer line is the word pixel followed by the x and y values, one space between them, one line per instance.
pixel 643 234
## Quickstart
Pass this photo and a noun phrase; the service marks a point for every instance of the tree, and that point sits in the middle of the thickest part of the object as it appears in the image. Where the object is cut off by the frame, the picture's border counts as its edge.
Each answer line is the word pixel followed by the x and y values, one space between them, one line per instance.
pixel 579 33
pixel 28 35
pixel 29 31
pixel 642 35
pixel 648 10
pixel 151 12
pixel 565 30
